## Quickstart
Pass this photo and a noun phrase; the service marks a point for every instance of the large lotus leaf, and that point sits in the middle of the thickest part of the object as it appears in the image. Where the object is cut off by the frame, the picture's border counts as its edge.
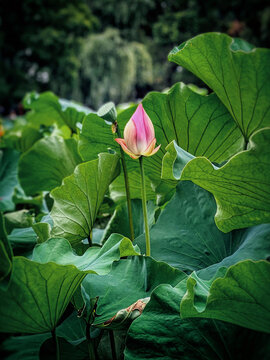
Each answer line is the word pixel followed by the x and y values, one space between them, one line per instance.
pixel 77 200
pixel 21 137
pixel 24 347
pixel 119 221
pixel 45 165
pixel 238 73
pixel 27 347
pixel 22 240
pixel 129 280
pixel 241 296
pixel 97 136
pixel 159 333
pixel 200 124
pixel 194 242
pixel 8 178
pixel 185 234
pixel 19 197
pixel 37 295
pixel 118 190
pixel 46 109
pixel 97 259
pixel 251 243
pixel 241 186
pixel 18 219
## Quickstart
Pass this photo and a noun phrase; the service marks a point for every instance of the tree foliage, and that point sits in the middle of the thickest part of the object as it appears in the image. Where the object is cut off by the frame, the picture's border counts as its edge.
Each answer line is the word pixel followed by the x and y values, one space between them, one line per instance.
pixel 112 68
pixel 39 45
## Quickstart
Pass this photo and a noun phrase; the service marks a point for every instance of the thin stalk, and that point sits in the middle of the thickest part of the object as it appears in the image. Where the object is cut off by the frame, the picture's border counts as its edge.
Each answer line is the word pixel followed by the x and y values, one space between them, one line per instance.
pixel 114 357
pixel 246 144
pixel 146 227
pixel 90 239
pixel 56 344
pixel 91 349
pixel 124 165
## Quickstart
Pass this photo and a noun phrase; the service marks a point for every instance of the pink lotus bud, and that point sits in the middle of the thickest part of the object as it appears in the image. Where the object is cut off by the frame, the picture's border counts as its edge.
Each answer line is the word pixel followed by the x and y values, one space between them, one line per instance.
pixel 139 135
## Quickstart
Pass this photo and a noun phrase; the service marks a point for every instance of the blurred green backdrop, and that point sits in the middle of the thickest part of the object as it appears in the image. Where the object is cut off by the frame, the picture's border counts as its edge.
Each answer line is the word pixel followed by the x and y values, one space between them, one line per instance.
pixel 99 50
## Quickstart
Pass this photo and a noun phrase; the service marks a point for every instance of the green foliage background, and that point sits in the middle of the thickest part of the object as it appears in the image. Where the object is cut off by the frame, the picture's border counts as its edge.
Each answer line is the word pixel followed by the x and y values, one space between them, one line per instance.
pixel 67 265
pixel 55 45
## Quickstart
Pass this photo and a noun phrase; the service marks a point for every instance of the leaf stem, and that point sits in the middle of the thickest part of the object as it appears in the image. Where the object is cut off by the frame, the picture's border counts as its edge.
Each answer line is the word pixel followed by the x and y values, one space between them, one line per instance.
pixel 91 350
pixel 246 144
pixel 146 227
pixel 124 165
pixel 90 239
pixel 56 344
pixel 112 345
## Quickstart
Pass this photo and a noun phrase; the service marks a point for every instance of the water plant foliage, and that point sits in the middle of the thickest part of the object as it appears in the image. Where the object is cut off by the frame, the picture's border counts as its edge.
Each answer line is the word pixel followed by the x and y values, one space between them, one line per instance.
pixel 73 284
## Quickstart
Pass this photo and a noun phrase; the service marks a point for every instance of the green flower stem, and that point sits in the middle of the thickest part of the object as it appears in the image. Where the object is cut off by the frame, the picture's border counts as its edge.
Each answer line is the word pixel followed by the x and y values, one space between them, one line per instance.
pixel 124 165
pixel 91 350
pixel 56 344
pixel 146 227
pixel 90 239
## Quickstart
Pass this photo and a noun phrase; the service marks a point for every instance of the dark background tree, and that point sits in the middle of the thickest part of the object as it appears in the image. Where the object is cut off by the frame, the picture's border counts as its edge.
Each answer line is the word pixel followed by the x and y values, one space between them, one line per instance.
pixel 47 44
pixel 39 45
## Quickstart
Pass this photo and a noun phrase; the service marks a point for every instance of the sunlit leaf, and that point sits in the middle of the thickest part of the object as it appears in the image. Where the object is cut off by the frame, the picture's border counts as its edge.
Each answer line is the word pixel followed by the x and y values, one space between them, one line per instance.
pixel 236 71
pixel 96 259
pixel 240 187
pixel 77 200
pixel 47 108
pixel 200 124
pixel 45 165
pixel 129 280
pixel 37 295
pixel 241 296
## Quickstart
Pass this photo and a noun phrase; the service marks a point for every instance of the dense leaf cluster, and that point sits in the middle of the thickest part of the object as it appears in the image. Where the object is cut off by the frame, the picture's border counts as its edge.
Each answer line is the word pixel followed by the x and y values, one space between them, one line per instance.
pixel 67 264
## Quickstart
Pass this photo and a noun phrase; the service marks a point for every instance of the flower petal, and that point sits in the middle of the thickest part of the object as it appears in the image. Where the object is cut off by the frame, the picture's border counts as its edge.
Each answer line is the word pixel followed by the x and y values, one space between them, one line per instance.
pixel 125 148
pixel 150 148
pixel 130 136
pixel 155 150
pixel 144 129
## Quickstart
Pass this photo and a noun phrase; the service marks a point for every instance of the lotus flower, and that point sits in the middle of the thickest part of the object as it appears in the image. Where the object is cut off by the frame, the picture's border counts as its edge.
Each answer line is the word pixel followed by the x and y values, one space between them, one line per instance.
pixel 139 135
